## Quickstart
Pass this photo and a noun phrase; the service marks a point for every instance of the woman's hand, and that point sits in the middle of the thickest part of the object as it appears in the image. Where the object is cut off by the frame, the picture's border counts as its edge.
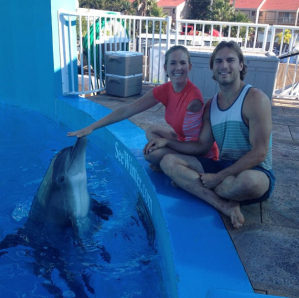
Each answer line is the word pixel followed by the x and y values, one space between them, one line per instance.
pixel 154 144
pixel 80 133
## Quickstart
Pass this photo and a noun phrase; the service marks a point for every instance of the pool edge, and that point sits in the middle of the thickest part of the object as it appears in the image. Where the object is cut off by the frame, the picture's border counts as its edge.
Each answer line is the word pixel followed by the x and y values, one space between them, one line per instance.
pixel 170 214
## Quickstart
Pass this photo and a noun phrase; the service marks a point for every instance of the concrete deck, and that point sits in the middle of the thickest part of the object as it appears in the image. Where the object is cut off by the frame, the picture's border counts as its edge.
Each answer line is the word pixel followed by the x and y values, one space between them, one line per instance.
pixel 268 244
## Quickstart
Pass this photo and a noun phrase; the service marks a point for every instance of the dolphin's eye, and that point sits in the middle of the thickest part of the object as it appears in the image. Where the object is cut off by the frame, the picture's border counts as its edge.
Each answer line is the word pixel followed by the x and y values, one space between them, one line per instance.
pixel 61 179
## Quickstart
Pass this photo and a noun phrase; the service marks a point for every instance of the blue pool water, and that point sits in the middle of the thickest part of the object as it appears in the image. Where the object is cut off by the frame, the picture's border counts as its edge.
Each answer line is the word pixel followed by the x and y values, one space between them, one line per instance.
pixel 118 260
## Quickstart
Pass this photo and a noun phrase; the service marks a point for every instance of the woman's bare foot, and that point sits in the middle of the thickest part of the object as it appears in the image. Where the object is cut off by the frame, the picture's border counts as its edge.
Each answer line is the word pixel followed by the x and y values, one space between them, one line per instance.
pixel 233 211
pixel 155 168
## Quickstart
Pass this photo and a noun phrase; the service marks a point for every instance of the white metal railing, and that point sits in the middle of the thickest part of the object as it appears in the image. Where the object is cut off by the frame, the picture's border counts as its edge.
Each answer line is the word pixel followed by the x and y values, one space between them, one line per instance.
pixel 83 64
pixel 285 43
pixel 207 34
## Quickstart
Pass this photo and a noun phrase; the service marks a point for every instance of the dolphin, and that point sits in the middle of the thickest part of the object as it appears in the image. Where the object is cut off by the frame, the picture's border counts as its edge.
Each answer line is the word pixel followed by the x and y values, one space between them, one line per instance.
pixel 62 197
pixel 61 217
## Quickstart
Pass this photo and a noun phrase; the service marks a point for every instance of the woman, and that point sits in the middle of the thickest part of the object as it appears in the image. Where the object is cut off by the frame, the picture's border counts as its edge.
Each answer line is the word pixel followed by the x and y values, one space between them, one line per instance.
pixel 184 107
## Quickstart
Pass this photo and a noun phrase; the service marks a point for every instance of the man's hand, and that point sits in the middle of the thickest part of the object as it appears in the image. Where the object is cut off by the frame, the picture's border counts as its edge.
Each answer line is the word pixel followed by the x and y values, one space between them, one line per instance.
pixel 154 144
pixel 209 180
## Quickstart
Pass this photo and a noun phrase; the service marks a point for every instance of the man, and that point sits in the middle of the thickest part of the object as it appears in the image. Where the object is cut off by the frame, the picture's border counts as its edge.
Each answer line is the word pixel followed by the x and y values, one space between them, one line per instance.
pixel 238 118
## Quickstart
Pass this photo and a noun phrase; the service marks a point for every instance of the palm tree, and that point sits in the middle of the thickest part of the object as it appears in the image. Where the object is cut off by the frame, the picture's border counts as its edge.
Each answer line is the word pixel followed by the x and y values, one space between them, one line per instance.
pixel 147 8
pixel 240 17
pixel 127 6
pixel 157 11
pixel 199 10
pixel 140 6
pixel 222 10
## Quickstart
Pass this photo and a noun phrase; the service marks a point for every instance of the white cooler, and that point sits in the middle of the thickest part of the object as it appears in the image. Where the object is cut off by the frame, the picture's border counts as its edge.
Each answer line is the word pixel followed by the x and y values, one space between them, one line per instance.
pixel 124 73
pixel 123 86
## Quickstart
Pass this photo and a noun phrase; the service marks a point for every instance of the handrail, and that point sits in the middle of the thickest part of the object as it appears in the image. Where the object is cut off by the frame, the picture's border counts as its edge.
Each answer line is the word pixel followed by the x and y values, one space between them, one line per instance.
pixel 108 31
pixel 152 36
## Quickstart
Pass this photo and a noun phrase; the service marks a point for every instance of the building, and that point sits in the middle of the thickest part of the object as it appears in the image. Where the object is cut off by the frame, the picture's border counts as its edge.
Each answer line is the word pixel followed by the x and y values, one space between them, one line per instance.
pixel 272 12
pixel 177 9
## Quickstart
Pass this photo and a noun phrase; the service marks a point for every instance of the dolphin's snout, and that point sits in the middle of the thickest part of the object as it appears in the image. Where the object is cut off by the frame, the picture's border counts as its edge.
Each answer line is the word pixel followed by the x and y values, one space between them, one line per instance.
pixel 80 144
pixel 54 201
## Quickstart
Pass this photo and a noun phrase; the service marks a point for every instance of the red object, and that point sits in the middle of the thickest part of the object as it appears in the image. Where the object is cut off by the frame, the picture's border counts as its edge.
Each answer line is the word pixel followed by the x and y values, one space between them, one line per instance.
pixel 216 33
pixel 189 29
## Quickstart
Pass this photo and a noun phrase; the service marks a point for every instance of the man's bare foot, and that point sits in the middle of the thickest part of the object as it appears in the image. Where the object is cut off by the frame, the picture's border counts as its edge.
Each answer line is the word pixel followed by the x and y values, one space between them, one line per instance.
pixel 155 168
pixel 232 210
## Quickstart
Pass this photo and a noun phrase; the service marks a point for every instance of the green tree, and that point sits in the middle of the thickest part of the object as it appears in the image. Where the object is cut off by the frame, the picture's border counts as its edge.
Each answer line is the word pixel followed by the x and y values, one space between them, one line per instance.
pixel 83 26
pixel 222 11
pixel 140 7
pixel 240 17
pixel 157 11
pixel 92 4
pixel 148 8
pixel 127 6
pixel 200 10
pixel 152 8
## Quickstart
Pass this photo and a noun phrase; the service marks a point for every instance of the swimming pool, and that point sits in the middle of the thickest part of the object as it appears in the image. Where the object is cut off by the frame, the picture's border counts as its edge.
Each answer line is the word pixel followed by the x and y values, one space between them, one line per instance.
pixel 118 261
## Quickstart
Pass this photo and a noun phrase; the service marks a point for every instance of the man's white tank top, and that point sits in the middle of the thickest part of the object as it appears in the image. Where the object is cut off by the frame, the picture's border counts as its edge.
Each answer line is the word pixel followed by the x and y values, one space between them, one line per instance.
pixel 230 131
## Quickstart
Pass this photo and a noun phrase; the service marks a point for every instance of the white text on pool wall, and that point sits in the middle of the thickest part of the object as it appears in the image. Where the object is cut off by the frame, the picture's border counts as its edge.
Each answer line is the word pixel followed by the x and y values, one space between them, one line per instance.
pixel 126 160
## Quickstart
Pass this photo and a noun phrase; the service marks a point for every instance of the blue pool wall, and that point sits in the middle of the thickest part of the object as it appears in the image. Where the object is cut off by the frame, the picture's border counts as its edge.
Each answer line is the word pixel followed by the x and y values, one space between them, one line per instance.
pixel 199 259
pixel 30 73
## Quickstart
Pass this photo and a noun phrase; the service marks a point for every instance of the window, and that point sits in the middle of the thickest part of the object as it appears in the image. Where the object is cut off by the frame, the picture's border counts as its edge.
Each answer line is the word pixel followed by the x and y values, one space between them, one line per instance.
pixel 287 17
pixel 253 13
